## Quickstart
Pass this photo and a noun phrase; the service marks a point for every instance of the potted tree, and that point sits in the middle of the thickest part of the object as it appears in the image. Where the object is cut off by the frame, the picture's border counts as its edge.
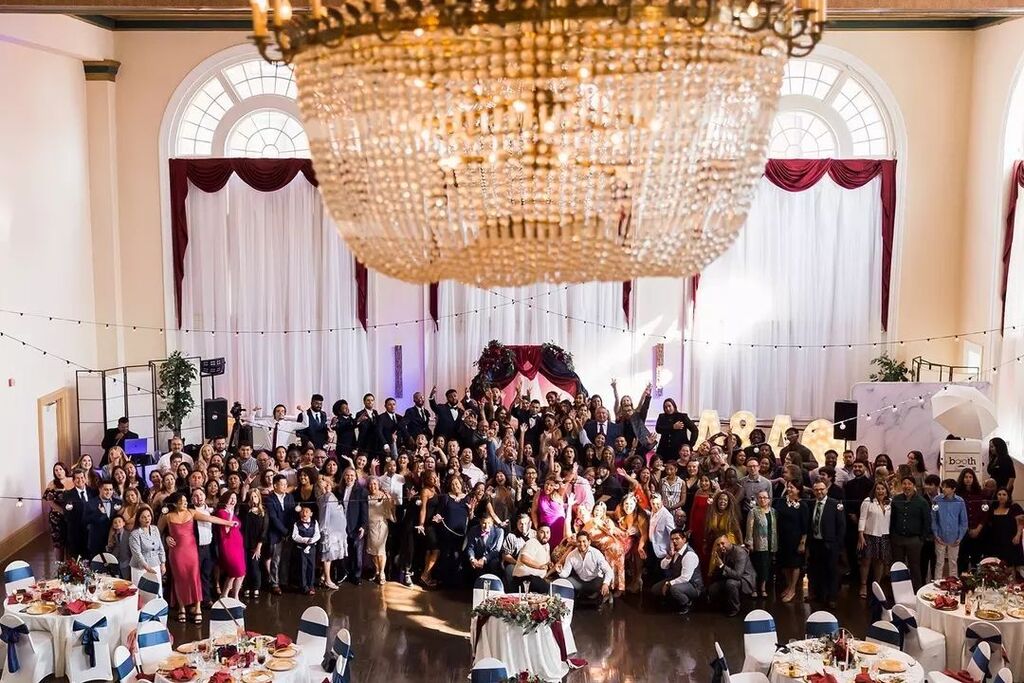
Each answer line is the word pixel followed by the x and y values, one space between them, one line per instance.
pixel 176 377
pixel 889 369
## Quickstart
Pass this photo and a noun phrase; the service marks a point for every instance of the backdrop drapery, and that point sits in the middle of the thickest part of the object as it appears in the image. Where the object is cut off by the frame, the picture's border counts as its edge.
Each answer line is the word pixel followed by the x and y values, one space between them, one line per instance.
pixel 211 175
pixel 807 267
pixel 530 361
pixel 1010 378
pixel 1016 183
pixel 243 272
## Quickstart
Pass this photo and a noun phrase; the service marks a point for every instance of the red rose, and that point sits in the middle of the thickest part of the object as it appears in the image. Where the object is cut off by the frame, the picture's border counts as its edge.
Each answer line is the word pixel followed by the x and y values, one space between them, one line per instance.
pixel 540 614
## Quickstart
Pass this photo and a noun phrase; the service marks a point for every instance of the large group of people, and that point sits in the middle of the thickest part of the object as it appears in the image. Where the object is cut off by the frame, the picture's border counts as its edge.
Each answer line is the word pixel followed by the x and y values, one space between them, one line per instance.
pixel 528 490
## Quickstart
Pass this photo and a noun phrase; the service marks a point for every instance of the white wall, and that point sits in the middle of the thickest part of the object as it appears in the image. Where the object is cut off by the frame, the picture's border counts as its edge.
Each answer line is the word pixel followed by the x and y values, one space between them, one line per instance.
pixel 45 236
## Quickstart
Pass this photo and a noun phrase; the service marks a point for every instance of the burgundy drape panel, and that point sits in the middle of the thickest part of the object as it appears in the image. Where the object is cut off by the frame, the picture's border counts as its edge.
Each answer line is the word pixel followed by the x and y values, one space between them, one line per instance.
pixel 1016 182
pixel 211 175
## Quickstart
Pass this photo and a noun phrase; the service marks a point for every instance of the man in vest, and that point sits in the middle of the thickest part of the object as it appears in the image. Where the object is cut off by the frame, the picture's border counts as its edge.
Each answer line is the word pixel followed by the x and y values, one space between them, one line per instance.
pixel 682 584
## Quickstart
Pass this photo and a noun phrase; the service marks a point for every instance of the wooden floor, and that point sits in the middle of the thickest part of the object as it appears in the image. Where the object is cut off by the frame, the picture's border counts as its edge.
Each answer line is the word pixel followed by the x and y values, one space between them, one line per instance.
pixel 406 634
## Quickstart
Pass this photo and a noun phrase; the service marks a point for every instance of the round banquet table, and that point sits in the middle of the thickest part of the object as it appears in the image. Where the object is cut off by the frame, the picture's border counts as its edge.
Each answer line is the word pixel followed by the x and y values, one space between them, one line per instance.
pixel 536 651
pixel 298 674
pixel 953 624
pixel 118 613
pixel 810 662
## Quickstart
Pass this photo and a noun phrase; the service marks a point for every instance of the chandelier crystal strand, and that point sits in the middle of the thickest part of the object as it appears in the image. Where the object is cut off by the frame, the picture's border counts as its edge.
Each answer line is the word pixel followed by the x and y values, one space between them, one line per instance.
pixel 504 142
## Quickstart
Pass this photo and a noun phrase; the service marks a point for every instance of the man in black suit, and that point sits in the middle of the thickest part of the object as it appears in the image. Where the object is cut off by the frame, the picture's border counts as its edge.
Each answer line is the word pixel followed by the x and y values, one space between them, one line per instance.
pixel 600 424
pixel 417 419
pixel 280 517
pixel 855 490
pixel 370 439
pixel 447 415
pixel 825 536
pixel 116 436
pixel 98 516
pixel 315 419
pixel 734 577
pixel 77 501
pixel 357 516
pixel 389 424
pixel 344 428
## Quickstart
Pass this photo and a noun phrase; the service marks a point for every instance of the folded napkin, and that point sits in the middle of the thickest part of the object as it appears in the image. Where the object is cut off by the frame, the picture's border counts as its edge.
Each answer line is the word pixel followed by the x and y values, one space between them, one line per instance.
pixel 220 677
pixel 252 634
pixel 125 591
pixel 11 600
pixel 822 678
pixel 51 594
pixel 863 678
pixel 961 676
pixel 77 606
pixel 182 673
pixel 282 641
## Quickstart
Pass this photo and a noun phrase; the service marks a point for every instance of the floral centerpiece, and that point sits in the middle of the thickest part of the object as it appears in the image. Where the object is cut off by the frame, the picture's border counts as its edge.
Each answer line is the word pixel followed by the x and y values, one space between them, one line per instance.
pixel 988 575
pixel 74 571
pixel 525 677
pixel 530 612
pixel 496 360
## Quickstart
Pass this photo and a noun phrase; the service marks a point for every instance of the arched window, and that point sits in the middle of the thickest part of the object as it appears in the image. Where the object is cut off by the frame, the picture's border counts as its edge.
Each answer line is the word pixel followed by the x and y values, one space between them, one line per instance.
pixel 246 107
pixel 828 110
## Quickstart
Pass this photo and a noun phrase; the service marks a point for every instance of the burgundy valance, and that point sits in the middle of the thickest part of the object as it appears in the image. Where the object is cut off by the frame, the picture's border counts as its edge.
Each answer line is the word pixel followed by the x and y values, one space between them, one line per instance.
pixel 1016 182
pixel 211 175
pixel 797 175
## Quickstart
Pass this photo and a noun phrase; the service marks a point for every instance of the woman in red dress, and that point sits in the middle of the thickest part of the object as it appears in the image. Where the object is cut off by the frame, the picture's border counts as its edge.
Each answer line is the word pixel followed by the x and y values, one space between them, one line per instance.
pixel 231 547
pixel 183 554
pixel 698 515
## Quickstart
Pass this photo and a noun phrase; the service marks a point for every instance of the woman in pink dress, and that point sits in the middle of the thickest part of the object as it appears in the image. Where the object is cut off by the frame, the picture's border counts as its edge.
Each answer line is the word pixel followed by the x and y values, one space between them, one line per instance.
pixel 183 554
pixel 549 510
pixel 231 547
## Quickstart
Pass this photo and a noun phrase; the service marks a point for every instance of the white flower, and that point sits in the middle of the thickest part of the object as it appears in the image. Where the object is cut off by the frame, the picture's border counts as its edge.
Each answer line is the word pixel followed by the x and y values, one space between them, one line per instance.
pixel 298 508
pixel 935 507
pixel 163 510
pixel 69 507
pixel 117 507
pixel 839 506
pixel 984 507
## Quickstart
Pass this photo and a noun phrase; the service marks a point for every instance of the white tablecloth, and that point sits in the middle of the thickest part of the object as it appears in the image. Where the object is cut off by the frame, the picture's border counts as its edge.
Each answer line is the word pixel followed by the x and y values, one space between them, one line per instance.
pixel 954 625
pixel 536 652
pixel 300 674
pixel 811 663
pixel 118 614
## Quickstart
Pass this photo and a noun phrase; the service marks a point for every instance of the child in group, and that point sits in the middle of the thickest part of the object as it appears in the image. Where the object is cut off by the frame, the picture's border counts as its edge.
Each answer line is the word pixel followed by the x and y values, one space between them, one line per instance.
pixel 306 535
pixel 117 545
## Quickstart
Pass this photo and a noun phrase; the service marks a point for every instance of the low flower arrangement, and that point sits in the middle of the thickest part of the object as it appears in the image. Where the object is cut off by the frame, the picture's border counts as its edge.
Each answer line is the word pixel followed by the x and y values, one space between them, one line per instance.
pixel 525 677
pixel 74 571
pixel 988 575
pixel 529 613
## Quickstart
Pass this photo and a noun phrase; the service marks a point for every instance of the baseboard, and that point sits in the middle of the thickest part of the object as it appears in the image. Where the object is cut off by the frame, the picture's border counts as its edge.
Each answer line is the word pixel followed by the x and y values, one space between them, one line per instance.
pixel 15 541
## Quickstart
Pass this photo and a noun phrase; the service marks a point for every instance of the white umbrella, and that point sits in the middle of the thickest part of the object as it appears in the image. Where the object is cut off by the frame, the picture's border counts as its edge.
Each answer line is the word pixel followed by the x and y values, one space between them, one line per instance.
pixel 964 411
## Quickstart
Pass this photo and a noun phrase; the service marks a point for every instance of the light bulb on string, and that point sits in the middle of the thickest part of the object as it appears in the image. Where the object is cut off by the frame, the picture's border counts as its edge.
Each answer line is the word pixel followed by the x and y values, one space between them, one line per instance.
pixel 20 503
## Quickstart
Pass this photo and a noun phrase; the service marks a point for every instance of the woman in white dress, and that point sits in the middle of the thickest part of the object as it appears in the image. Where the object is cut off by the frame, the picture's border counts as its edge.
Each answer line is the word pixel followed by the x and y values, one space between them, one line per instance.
pixel 333 529
pixel 381 512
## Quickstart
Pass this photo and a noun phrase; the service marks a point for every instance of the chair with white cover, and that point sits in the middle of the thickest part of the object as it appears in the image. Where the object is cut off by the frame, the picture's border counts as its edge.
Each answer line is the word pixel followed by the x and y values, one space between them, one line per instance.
pixel 488 670
pixel 154 645
pixel 984 632
pixel 89 658
pixel 105 563
pixel 902 587
pixel 564 590
pixel 1004 676
pixel 821 623
pixel 226 616
pixel 928 647
pixel 485 586
pixel 154 610
pixel 977 668
pixel 343 656
pixel 312 636
pixel 124 666
pixel 720 671
pixel 884 633
pixel 760 641
pixel 149 586
pixel 26 656
pixel 881 606
pixel 18 575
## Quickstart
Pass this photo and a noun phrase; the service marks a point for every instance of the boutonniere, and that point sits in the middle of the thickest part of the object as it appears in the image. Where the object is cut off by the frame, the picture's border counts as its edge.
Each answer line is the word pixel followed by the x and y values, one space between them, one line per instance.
pixel 984 507
pixel 69 507
pixel 839 506
pixel 117 506
pixel 163 510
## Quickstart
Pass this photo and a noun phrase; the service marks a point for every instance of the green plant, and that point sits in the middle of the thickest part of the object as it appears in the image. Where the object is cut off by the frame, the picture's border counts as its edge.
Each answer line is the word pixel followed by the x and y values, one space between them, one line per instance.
pixel 176 377
pixel 889 369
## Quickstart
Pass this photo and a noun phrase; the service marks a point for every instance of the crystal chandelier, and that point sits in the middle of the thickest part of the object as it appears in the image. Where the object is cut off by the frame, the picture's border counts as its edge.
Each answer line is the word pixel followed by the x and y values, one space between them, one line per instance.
pixel 504 142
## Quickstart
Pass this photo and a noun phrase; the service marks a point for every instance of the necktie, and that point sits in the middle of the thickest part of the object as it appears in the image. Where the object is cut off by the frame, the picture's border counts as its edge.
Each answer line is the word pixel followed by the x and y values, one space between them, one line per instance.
pixel 423 414
pixel 81 494
pixel 600 428
pixel 817 517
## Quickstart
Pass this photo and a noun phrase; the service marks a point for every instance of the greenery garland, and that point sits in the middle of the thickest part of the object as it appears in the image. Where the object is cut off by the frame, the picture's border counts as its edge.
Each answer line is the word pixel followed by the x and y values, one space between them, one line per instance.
pixel 529 612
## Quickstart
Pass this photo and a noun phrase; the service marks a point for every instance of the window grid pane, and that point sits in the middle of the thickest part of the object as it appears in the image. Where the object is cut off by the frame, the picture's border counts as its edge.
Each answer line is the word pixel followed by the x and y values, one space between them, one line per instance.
pixel 268 133
pixel 257 77
pixel 203 113
pixel 801 135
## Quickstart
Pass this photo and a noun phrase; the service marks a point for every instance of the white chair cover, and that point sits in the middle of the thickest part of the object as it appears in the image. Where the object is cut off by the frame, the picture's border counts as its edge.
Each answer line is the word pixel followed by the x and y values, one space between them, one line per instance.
pixel 983 631
pixel 312 635
pixel 154 610
pixel 563 589
pixel 884 633
pixel 18 575
pixel 978 666
pixel 30 652
pixel 760 641
pixel 226 616
pixel 928 647
pixel 89 659
pixel 747 677
pixel 488 670
pixel 106 563
pixel 989 560
pixel 1004 676
pixel 154 644
pixel 902 588
pixel 485 586
pixel 884 604
pixel 821 623
pixel 343 649
pixel 149 584
pixel 124 666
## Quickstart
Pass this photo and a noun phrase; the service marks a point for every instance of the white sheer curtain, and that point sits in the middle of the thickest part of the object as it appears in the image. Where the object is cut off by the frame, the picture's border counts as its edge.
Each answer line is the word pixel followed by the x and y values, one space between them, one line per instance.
pixel 1010 379
pixel 272 261
pixel 805 269
pixel 533 314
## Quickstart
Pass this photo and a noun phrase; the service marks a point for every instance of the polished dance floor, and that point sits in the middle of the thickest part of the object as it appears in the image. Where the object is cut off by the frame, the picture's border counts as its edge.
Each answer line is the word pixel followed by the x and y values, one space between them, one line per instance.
pixel 407 634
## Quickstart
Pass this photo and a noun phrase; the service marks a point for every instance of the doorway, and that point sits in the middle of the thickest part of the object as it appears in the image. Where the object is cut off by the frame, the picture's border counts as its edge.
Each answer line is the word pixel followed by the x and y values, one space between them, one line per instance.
pixel 55 443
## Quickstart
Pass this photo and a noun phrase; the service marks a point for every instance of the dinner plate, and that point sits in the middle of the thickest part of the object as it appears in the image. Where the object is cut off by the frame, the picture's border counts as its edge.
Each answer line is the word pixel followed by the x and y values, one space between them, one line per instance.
pixel 990 614
pixel 286 652
pixel 1016 613
pixel 868 648
pixel 108 596
pixel 948 609
pixel 225 639
pixel 173 662
pixel 187 648
pixel 275 664
pixel 892 666
pixel 40 608
pixel 929 596
pixel 258 676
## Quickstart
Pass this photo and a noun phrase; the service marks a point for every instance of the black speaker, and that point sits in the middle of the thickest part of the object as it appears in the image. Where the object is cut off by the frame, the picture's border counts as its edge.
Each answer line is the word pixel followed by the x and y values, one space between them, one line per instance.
pixel 215 418
pixel 846 431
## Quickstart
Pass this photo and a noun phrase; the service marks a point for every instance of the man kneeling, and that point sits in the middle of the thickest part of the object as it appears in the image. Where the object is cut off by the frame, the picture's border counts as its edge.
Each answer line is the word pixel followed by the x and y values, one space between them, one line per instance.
pixel 734 578
pixel 588 571
pixel 682 584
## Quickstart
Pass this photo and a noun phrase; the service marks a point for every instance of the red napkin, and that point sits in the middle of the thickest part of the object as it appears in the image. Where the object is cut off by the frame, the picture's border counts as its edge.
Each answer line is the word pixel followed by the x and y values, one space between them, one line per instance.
pixel 183 673
pixel 11 600
pixel 77 606
pixel 125 591
pixel 251 634
pixel 220 677
pixel 281 641
pixel 961 676
pixel 822 678
pixel 863 678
